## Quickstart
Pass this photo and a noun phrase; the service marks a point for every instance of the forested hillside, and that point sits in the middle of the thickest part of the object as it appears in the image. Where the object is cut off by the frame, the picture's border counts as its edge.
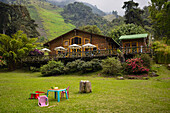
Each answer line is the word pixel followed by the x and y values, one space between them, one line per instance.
pixel 62 3
pixel 80 15
pixel 51 23
pixel 47 16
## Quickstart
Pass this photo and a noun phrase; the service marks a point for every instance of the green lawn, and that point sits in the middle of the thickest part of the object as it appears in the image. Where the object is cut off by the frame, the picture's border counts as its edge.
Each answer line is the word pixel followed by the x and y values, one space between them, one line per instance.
pixel 108 94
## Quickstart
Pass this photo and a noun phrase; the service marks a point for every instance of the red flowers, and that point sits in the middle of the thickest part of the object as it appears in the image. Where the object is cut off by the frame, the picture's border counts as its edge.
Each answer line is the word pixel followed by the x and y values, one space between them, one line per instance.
pixel 136 66
pixel 2 62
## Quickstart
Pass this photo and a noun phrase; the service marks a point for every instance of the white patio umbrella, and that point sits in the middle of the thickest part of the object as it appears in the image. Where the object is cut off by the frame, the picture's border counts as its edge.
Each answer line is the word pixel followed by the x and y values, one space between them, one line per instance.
pixel 45 50
pixel 60 48
pixel 88 45
pixel 74 46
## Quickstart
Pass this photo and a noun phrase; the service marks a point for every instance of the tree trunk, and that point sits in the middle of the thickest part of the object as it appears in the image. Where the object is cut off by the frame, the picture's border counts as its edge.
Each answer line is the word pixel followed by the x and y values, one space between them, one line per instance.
pixel 85 86
pixel 4 31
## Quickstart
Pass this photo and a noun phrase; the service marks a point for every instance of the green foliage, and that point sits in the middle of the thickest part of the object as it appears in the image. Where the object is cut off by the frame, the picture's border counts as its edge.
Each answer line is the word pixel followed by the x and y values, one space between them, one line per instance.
pixel 146 60
pixel 133 13
pixel 73 66
pixel 162 52
pixel 91 29
pixel 2 62
pixel 80 15
pixel 15 47
pixel 84 67
pixel 16 18
pixel 160 16
pixel 111 66
pixel 52 68
pixel 90 66
pixel 126 29
pixel 118 21
pixel 34 69
pixel 146 20
pixel 96 64
pixel 51 21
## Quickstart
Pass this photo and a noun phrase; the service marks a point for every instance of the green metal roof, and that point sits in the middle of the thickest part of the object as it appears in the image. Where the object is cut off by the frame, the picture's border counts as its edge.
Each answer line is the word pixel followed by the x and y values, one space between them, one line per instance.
pixel 136 36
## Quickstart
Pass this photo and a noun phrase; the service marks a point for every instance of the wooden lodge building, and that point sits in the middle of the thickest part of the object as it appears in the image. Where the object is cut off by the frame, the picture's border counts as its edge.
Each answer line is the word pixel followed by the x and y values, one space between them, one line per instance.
pixel 80 37
pixel 104 46
pixel 134 43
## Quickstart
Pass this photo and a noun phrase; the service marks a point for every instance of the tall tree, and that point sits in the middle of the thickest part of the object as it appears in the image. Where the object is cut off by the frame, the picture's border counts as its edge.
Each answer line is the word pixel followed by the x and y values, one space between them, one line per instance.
pixel 16 18
pixel 91 29
pixel 160 16
pixel 15 47
pixel 126 29
pixel 133 13
pixel 146 19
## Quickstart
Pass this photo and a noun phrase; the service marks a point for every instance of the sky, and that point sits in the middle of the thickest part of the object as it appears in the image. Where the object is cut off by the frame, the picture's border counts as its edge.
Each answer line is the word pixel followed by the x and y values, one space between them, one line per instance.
pixel 110 5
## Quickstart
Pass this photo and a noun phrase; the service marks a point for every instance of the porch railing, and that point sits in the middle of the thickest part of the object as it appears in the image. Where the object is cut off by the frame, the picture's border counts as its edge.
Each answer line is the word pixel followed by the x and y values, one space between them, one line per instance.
pixel 83 54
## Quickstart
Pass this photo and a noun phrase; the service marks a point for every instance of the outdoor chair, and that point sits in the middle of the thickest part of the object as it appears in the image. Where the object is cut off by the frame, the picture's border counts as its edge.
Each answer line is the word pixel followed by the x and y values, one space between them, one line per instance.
pixel 63 92
pixel 43 101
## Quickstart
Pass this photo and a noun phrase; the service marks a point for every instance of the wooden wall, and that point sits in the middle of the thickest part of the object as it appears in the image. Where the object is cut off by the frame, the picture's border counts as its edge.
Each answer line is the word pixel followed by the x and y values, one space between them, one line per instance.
pixel 100 41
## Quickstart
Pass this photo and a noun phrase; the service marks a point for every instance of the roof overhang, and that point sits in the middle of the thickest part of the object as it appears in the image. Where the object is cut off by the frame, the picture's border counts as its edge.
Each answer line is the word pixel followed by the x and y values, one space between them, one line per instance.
pixel 135 36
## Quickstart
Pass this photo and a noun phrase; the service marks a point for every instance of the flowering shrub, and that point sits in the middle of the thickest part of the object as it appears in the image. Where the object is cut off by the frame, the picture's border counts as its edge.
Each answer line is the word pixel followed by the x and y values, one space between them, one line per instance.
pixel 2 62
pixel 135 66
pixel 36 52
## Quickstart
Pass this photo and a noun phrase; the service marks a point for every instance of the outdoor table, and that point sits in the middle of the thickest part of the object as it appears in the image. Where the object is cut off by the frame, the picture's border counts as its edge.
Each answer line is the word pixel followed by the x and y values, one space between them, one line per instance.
pixel 58 93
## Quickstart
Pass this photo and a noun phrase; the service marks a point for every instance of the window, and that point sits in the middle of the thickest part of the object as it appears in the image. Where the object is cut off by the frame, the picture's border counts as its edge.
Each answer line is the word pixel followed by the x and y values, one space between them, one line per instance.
pixel 66 43
pixel 86 40
pixel 127 44
pixel 134 44
pixel 76 40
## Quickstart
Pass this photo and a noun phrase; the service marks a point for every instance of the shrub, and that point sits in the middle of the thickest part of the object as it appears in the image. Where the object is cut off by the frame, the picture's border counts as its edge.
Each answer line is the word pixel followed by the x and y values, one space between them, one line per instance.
pixel 52 68
pixel 146 59
pixel 135 66
pixel 36 52
pixel 96 64
pixel 90 66
pixel 162 52
pixel 86 67
pixel 74 65
pixel 34 69
pixel 2 62
pixel 111 66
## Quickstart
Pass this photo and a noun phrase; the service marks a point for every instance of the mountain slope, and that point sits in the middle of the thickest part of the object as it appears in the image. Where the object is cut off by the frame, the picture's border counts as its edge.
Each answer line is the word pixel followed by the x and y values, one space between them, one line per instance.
pixel 47 16
pixel 110 17
pixel 81 15
pixel 95 9
pixel 14 18
pixel 50 23
pixel 62 3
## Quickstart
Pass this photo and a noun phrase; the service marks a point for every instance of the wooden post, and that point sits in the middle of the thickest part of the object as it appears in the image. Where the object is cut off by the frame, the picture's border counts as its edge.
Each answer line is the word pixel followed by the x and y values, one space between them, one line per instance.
pixel 85 86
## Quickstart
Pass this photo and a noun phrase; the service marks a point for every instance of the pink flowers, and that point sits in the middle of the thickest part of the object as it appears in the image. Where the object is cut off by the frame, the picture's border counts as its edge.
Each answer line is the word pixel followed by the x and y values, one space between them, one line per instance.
pixel 2 62
pixel 136 66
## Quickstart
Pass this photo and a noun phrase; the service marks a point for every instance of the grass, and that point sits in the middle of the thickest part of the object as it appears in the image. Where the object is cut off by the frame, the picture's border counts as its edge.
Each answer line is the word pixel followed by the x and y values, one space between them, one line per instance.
pixel 108 94
pixel 53 22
